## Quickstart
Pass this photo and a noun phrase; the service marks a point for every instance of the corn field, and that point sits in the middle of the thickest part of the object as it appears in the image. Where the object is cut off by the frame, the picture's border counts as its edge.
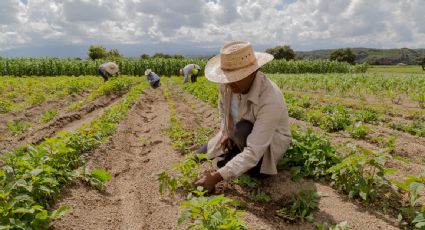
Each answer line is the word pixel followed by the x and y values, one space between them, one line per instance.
pixel 167 67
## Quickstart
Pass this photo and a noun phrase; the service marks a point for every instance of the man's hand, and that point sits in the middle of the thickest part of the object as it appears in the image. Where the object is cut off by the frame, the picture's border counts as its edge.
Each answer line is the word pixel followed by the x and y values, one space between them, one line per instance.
pixel 208 180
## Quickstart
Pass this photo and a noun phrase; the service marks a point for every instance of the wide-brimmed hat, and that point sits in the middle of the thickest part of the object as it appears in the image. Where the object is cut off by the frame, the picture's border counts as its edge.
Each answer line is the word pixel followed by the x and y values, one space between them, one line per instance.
pixel 236 61
pixel 147 72
pixel 111 68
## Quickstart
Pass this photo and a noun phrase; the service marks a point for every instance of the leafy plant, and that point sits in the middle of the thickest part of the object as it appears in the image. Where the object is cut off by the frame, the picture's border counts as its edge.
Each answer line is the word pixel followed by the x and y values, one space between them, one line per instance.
pixel 210 213
pixel 48 115
pixel 309 155
pixel 18 127
pixel 358 130
pixel 300 206
pixel 245 180
pixel 326 226
pixel 5 106
pixel 361 173
pixel 259 196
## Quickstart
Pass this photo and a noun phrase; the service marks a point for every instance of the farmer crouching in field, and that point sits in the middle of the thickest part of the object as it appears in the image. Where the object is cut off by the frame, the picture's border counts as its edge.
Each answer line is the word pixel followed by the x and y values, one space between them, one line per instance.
pixel 108 70
pixel 192 70
pixel 152 78
pixel 254 131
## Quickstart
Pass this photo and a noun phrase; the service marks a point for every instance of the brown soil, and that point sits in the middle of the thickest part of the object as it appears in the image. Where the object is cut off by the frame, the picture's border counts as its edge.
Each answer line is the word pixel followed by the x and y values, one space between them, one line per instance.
pixel 64 121
pixel 132 200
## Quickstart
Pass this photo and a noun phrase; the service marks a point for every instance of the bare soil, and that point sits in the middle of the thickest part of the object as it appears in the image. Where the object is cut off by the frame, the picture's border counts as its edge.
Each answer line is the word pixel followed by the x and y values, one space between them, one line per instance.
pixel 139 150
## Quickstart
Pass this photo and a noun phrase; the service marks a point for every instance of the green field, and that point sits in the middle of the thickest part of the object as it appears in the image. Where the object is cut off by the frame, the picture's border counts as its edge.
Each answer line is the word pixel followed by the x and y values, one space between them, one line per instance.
pixel 416 69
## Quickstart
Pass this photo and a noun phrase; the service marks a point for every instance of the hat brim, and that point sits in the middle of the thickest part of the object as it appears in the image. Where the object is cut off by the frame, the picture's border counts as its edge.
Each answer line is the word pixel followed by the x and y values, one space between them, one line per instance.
pixel 111 71
pixel 214 73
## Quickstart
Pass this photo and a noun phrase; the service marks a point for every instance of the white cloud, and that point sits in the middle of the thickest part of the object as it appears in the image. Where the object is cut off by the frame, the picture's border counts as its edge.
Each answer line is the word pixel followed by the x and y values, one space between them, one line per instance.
pixel 303 24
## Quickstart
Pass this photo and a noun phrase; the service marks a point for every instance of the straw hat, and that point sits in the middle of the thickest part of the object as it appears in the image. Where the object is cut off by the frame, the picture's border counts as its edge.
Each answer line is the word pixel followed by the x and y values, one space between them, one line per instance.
pixel 236 61
pixel 147 72
pixel 111 68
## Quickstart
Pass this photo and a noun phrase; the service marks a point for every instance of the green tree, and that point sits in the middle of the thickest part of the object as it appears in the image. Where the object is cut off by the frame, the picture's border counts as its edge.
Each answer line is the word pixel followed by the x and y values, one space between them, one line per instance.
pixel 282 52
pixel 343 55
pixel 114 54
pixel 144 56
pixel 97 52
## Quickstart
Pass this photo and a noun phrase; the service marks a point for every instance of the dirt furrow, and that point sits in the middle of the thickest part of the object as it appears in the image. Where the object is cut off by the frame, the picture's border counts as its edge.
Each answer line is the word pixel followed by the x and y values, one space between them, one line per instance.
pixel 134 155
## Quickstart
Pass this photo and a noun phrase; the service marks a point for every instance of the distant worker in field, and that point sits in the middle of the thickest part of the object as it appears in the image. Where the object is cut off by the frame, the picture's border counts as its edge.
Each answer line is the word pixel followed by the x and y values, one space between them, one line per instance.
pixel 107 70
pixel 254 132
pixel 152 78
pixel 192 70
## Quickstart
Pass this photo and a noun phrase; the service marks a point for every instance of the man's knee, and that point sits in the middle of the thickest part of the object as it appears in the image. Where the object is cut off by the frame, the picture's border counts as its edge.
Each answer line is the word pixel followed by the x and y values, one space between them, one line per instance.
pixel 241 132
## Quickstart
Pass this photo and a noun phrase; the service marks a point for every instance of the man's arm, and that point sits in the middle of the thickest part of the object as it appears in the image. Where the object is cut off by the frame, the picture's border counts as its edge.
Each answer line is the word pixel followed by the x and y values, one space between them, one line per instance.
pixel 257 143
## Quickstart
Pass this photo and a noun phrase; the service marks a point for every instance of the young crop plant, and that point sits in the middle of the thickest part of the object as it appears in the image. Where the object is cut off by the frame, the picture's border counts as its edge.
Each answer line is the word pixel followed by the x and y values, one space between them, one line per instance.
pixel 325 226
pixel 247 181
pixel 362 174
pixel 358 130
pixel 5 106
pixel 18 127
pixel 300 207
pixel 411 213
pixel 48 115
pixel 187 172
pixel 260 196
pixel 309 155
pixel 336 118
pixel 211 213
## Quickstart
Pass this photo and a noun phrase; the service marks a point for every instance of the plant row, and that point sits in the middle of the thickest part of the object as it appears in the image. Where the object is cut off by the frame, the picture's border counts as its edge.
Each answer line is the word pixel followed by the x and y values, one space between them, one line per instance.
pixel 361 86
pixel 162 66
pixel 32 176
pixel 20 93
pixel 360 173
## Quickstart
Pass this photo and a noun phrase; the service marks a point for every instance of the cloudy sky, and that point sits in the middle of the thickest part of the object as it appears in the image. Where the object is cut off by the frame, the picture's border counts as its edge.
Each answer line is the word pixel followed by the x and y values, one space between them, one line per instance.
pixel 198 27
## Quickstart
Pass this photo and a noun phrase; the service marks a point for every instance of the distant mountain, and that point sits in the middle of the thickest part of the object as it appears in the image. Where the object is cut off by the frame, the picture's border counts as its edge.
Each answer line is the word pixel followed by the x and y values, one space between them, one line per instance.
pixel 372 56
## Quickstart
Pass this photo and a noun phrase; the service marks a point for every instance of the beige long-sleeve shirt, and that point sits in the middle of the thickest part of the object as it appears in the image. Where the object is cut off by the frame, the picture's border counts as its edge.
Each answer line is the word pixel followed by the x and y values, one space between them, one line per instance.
pixel 265 107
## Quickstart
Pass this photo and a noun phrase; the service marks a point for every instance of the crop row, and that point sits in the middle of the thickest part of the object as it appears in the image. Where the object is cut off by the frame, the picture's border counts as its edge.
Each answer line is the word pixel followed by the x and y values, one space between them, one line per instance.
pixel 360 86
pixel 167 67
pixel 31 177
pixel 358 172
pixel 20 93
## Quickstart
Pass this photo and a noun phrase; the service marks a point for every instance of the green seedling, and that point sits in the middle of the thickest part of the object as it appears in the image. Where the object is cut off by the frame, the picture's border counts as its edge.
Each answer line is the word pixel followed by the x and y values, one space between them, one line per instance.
pixel 300 206
pixel 48 115
pixel 259 196
pixel 18 127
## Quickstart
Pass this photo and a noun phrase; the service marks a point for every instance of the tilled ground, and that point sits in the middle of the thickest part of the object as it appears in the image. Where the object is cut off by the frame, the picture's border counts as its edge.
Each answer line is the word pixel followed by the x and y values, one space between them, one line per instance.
pixel 140 149
pixel 64 121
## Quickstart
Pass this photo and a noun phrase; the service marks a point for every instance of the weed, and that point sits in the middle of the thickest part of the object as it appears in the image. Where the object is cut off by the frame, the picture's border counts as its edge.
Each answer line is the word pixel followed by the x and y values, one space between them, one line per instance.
pixel 259 196
pixel 18 127
pixel 245 180
pixel 300 206
pixel 48 115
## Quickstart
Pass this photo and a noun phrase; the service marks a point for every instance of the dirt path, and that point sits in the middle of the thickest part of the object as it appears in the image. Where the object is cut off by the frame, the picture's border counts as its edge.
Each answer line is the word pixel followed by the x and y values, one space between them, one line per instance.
pixel 139 150
pixel 133 156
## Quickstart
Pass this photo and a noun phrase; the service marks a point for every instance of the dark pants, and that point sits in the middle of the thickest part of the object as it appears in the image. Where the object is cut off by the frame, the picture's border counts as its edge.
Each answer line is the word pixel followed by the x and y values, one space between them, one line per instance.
pixel 193 77
pixel 237 142
pixel 156 84
pixel 103 73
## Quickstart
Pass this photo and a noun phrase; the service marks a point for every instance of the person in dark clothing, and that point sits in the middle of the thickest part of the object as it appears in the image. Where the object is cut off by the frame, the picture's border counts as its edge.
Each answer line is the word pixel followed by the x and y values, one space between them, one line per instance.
pixel 107 70
pixel 152 78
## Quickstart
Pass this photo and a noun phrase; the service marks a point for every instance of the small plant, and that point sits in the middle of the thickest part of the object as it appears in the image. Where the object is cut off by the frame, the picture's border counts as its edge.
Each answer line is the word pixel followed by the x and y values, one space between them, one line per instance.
pixel 410 214
pixel 361 173
pixel 358 130
pixel 309 155
pixel 387 143
pixel 326 226
pixel 212 213
pixel 18 127
pixel 37 99
pixel 48 115
pixel 300 206
pixel 245 180
pixel 336 118
pixel 189 170
pixel 5 106
pixel 259 196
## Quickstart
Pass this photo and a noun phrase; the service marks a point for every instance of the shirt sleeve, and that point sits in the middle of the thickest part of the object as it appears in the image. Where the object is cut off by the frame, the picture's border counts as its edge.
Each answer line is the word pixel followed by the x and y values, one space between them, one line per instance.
pixel 257 143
